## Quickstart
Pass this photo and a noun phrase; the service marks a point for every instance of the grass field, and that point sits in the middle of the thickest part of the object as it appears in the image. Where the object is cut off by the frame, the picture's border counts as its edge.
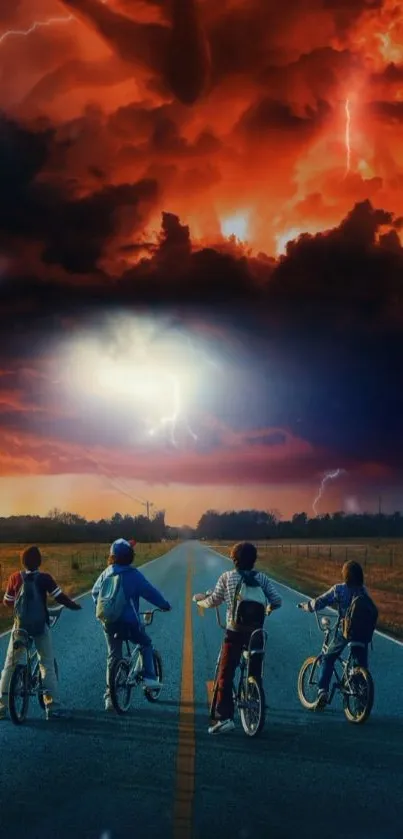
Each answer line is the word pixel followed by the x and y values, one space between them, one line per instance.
pixel 75 567
pixel 314 567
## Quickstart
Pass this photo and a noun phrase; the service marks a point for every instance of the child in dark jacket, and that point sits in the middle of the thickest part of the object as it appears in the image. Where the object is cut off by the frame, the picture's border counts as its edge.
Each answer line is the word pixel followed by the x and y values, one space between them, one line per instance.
pixel 339 596
pixel 128 626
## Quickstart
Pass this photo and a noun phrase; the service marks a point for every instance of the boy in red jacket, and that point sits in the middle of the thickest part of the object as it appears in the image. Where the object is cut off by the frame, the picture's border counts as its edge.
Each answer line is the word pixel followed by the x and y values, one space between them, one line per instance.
pixel 31 559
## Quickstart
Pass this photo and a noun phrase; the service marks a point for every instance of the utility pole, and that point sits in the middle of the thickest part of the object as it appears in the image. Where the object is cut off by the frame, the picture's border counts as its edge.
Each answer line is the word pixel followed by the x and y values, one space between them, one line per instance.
pixel 147 505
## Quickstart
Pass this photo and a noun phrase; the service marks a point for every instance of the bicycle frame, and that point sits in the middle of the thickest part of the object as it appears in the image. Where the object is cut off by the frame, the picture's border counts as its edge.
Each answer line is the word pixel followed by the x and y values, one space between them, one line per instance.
pixel 136 676
pixel 341 682
pixel 246 653
pixel 22 640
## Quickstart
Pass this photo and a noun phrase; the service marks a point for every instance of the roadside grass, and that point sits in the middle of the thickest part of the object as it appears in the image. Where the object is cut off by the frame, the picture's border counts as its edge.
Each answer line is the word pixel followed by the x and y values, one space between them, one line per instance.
pixel 74 566
pixel 313 568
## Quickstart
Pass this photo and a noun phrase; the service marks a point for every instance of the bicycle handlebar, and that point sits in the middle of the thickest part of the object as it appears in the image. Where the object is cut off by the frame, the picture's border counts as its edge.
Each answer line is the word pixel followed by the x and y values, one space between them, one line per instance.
pixel 54 616
pixel 148 616
pixel 325 623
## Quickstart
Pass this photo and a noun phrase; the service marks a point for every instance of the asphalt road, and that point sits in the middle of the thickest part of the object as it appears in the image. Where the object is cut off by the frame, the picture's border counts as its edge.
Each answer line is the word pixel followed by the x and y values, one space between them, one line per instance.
pixel 157 771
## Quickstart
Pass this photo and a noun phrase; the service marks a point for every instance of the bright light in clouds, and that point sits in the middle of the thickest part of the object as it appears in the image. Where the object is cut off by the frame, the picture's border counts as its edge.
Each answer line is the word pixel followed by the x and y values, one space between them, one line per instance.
pixel 237 226
pixel 283 238
pixel 142 369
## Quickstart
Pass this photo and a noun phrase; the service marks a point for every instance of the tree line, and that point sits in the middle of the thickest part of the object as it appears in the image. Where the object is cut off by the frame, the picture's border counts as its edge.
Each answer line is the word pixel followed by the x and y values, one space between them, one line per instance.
pixel 59 526
pixel 260 525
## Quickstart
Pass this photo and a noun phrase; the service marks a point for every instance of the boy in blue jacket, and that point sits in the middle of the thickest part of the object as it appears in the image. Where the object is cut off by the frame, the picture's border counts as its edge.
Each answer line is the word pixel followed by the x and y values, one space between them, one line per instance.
pixel 135 586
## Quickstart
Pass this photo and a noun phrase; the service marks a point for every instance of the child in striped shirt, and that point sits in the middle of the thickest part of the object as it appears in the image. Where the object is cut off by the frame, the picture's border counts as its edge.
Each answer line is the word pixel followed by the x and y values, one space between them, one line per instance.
pixel 244 556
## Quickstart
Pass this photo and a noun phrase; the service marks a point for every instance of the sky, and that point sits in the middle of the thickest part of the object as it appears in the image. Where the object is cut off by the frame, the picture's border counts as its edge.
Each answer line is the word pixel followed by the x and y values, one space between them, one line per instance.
pixel 201 230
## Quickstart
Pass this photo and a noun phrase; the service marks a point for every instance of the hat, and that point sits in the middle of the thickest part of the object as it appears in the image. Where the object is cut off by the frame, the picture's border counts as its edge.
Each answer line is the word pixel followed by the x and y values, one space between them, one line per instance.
pixel 122 551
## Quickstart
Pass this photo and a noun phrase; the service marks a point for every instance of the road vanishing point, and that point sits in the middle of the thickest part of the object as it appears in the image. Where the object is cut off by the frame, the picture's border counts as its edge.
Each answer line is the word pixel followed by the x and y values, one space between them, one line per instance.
pixel 157 773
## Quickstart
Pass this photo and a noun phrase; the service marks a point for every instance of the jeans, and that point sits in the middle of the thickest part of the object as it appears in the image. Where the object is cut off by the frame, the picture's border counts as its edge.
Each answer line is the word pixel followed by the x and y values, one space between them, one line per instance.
pixel 336 647
pixel 131 632
pixel 230 656
pixel 44 646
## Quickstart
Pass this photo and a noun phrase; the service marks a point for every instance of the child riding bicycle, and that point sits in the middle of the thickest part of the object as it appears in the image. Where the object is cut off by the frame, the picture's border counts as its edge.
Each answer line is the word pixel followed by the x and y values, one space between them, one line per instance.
pixel 244 556
pixel 34 586
pixel 130 586
pixel 340 595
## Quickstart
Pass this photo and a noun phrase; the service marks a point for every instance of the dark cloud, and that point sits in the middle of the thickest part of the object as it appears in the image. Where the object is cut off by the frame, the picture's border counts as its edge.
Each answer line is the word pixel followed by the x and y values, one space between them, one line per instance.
pixel 73 233
pixel 269 115
pixel 178 53
pixel 389 112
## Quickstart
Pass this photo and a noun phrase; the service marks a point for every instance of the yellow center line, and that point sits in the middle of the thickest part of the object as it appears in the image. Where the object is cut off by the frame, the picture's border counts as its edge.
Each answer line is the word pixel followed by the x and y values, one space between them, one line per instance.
pixel 185 764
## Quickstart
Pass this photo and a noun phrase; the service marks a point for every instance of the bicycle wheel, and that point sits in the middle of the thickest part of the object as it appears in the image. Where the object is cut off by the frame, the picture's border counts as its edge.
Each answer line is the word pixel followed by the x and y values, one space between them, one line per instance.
pixel 18 694
pixel 253 706
pixel 120 690
pixel 40 685
pixel 152 695
pixel 357 704
pixel 308 682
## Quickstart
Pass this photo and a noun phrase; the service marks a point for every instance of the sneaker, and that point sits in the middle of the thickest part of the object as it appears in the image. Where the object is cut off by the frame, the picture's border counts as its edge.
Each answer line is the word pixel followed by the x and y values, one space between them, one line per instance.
pixel 322 700
pixel 109 704
pixel 55 711
pixel 221 727
pixel 152 684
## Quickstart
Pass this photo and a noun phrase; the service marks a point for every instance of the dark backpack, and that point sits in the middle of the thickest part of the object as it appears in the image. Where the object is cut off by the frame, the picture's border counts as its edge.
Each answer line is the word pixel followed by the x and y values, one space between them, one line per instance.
pixel 30 611
pixel 249 609
pixel 360 619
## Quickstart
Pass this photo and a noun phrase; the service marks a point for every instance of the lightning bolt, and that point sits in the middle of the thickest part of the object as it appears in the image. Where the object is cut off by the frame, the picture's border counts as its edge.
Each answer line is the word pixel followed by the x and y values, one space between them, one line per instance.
pixel 347 136
pixel 330 476
pixel 174 417
pixel 38 24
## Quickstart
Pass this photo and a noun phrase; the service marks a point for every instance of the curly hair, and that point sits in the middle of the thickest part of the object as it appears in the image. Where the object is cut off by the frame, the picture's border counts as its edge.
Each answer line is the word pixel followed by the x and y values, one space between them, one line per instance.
pixel 244 556
pixel 31 558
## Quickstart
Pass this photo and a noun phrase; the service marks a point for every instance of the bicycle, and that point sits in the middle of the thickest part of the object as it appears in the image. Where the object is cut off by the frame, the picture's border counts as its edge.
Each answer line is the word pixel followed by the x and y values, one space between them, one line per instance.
pixel 354 682
pixel 128 672
pixel 26 680
pixel 248 693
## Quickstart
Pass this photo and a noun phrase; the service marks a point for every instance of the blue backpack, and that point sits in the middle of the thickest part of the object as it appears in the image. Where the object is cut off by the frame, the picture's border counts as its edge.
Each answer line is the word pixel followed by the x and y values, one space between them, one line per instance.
pixel 111 599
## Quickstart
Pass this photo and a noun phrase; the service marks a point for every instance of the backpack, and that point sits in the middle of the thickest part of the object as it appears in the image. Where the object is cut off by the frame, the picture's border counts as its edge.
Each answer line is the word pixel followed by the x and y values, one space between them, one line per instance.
pixel 249 609
pixel 30 612
pixel 360 619
pixel 111 599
